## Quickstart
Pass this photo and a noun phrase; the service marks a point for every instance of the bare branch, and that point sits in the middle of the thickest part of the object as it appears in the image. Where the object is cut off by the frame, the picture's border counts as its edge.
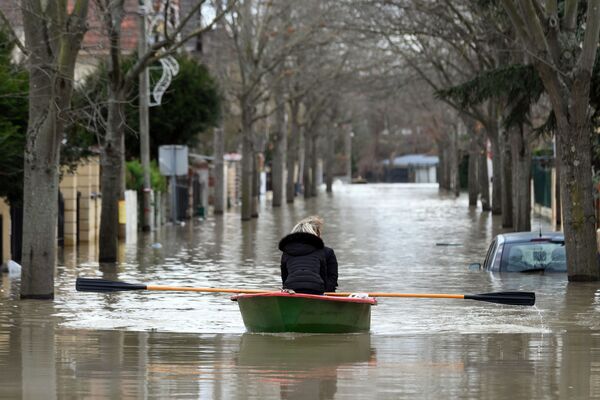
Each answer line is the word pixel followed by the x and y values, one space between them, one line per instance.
pixel 570 18
pixel 518 22
pixel 590 40
pixel 12 33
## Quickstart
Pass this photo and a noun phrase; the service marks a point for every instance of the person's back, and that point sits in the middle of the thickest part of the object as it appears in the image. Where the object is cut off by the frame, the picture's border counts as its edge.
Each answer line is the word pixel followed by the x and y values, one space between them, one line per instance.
pixel 307 266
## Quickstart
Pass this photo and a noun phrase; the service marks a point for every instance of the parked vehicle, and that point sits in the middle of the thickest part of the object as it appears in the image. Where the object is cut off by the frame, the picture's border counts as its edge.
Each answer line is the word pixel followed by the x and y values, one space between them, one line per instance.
pixel 525 252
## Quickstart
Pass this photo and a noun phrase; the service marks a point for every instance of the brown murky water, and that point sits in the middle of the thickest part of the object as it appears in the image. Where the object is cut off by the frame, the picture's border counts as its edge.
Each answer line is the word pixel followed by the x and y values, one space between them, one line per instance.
pixel 134 345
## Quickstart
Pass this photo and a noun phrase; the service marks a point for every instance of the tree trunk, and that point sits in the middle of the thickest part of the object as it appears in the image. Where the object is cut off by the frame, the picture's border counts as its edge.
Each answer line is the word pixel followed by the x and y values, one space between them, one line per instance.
pixel 219 150
pixel 306 176
pixel 256 183
pixel 574 153
pixel 247 163
pixel 472 173
pixel 521 180
pixel 53 39
pixel 301 159
pixel 314 166
pixel 443 165
pixel 348 151
pixel 484 186
pixel 497 170
pixel 247 159
pixel 279 157
pixel 111 176
pixel 329 159
pixel 507 180
pixel 292 155
pixel 576 190
pixel 564 57
pixel 454 183
pixel 40 190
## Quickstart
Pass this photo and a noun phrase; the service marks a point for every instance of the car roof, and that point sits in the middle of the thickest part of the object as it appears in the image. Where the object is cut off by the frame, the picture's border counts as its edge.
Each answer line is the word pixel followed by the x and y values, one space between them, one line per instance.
pixel 527 236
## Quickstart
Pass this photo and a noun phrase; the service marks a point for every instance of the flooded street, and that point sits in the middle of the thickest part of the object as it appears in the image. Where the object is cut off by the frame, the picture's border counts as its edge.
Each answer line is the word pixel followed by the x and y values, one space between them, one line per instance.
pixel 387 238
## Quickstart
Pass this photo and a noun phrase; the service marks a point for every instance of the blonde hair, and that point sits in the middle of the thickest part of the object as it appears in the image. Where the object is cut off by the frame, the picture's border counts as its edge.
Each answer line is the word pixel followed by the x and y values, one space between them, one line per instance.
pixel 312 224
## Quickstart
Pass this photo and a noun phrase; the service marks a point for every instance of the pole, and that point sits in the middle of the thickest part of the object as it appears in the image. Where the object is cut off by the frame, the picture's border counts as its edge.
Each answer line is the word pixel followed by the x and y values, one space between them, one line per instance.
pixel 174 185
pixel 144 82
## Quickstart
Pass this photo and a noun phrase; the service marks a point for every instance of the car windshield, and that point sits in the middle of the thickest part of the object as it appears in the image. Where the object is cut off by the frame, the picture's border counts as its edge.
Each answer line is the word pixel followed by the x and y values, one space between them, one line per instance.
pixel 527 256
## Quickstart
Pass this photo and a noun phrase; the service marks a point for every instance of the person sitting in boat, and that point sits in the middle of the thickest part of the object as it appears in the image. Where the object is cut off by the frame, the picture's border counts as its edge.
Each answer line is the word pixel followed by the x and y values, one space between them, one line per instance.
pixel 307 265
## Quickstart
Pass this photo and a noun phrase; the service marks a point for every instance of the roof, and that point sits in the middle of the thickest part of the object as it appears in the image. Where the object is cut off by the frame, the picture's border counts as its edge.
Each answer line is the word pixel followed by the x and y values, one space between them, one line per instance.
pixel 526 236
pixel 414 159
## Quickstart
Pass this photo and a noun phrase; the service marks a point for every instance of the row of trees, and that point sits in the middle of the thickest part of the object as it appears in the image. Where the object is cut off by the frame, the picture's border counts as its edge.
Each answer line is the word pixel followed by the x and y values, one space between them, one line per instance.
pixel 489 65
pixel 510 71
pixel 53 35
pixel 294 73
pixel 270 45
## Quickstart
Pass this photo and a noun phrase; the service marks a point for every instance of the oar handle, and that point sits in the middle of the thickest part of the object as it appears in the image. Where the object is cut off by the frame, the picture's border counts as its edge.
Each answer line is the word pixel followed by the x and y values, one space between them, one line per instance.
pixel 200 289
pixel 418 295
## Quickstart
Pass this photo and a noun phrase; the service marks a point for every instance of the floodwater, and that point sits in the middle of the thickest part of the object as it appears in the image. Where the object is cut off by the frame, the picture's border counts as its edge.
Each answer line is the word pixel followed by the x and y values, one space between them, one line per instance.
pixel 388 238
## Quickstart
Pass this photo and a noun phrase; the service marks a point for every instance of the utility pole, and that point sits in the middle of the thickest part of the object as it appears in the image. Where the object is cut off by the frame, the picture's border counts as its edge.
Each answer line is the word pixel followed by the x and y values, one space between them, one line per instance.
pixel 148 220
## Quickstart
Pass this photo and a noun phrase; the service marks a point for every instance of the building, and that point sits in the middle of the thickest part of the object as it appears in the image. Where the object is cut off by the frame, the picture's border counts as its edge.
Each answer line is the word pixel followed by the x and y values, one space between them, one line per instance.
pixel 411 168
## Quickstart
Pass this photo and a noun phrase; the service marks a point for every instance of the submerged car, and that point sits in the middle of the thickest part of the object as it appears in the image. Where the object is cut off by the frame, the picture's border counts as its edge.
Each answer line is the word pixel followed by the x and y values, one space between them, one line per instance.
pixel 526 252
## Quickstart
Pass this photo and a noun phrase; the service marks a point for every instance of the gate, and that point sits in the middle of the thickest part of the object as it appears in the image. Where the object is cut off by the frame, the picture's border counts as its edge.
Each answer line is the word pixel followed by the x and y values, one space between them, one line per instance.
pixel 78 217
pixel 183 199
pixel 16 232
pixel 61 220
pixel 1 238
pixel 198 207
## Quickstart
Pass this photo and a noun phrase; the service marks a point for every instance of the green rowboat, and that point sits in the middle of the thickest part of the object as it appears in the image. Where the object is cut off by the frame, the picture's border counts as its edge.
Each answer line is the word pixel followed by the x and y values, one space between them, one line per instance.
pixel 285 312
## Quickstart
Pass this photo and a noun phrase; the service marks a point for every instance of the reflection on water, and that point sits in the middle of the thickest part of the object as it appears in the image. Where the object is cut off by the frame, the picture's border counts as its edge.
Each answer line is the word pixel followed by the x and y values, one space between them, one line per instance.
pixel 189 345
pixel 304 366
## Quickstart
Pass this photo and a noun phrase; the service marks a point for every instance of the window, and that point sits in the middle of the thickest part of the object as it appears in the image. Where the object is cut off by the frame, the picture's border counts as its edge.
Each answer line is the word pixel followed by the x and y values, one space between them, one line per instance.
pixel 534 256
pixel 488 256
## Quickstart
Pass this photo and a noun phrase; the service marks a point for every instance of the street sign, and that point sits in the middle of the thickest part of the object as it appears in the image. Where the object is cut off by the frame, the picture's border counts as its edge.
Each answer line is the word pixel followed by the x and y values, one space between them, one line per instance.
pixel 173 160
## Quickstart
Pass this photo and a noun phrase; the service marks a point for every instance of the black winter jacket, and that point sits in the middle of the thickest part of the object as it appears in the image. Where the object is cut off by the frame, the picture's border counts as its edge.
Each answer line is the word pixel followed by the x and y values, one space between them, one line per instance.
pixel 306 264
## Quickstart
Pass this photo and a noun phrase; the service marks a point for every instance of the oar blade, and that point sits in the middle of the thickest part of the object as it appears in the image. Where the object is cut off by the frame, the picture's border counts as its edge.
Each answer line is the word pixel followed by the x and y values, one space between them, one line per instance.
pixel 103 285
pixel 511 298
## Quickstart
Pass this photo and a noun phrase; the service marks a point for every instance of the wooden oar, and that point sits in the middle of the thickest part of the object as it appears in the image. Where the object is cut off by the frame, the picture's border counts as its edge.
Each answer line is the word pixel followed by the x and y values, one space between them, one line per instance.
pixel 103 285
pixel 513 298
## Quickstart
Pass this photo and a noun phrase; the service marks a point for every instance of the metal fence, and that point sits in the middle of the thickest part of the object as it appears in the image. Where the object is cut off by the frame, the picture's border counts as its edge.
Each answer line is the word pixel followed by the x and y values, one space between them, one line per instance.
pixel 183 199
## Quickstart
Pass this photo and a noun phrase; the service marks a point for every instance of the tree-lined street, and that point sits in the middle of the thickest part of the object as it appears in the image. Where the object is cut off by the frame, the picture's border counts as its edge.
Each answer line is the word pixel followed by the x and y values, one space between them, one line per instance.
pixel 178 141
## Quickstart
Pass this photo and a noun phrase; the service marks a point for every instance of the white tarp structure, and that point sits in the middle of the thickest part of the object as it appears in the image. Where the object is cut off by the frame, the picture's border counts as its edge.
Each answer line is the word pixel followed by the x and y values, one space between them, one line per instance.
pixel 420 168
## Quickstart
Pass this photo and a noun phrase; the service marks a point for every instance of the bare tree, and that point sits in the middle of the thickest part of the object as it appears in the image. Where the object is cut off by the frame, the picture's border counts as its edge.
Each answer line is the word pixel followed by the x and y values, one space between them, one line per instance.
pixel 263 35
pixel 120 82
pixel 564 59
pixel 444 46
pixel 53 37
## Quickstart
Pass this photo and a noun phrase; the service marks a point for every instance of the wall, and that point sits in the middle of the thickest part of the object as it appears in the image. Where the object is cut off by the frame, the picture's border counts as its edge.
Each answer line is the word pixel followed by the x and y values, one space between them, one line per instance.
pixel 85 184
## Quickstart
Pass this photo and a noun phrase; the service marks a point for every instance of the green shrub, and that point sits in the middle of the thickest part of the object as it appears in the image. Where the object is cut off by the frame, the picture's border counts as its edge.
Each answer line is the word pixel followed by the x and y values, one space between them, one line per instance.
pixel 135 177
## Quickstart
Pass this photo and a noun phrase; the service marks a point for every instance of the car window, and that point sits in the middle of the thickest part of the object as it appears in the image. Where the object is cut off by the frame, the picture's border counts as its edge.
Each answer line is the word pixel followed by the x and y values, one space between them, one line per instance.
pixel 497 257
pixel 546 256
pixel 491 249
